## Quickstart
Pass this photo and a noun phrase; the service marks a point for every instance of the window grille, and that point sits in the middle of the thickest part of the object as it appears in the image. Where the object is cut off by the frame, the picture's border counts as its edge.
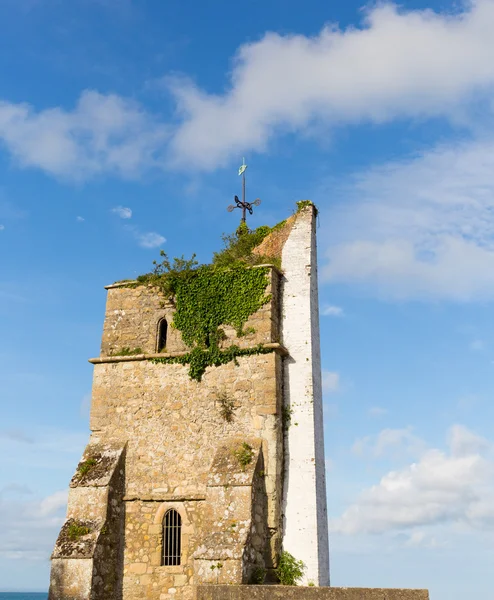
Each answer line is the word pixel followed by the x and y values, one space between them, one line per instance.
pixel 172 538
pixel 162 332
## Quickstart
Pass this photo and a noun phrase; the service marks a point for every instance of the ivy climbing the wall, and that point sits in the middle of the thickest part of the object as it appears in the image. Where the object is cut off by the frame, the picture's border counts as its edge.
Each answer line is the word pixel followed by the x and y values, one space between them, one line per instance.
pixel 207 297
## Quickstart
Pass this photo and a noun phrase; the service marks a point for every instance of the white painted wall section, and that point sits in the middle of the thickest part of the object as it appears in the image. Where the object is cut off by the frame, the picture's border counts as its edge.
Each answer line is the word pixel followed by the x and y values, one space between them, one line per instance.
pixel 305 510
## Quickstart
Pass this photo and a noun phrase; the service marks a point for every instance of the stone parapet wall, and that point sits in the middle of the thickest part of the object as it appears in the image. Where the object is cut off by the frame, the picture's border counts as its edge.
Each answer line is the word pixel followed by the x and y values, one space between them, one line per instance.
pixel 278 592
pixel 133 314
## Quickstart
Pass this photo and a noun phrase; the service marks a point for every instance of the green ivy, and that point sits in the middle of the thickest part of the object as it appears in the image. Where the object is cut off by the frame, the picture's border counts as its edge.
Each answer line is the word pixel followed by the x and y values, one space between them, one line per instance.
pixel 199 359
pixel 207 297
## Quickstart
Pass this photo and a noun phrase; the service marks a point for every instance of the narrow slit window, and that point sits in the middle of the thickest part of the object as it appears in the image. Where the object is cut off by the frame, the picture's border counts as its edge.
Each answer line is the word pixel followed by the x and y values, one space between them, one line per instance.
pixel 162 332
pixel 172 538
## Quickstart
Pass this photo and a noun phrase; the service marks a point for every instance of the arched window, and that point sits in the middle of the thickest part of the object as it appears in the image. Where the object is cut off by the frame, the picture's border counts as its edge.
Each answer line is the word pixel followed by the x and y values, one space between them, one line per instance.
pixel 172 538
pixel 162 331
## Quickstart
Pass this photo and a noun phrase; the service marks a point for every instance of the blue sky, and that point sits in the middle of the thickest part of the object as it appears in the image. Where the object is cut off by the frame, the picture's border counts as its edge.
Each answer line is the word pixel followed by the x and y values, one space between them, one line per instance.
pixel 122 125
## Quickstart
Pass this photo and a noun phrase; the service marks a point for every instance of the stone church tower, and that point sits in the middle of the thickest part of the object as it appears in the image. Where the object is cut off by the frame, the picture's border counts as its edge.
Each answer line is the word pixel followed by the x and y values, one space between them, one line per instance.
pixel 187 482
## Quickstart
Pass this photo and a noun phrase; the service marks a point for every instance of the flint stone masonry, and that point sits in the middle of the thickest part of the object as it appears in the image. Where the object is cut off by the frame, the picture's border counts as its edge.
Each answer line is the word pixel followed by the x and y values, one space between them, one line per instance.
pixel 278 592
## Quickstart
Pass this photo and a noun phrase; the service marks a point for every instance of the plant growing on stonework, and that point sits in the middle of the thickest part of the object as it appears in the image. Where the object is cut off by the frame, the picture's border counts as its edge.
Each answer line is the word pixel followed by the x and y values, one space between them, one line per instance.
pixel 126 351
pixel 301 204
pixel 76 530
pixel 167 275
pixel 258 576
pixel 86 466
pixel 244 455
pixel 239 246
pixel 217 566
pixel 207 297
pixel 289 569
pixel 227 406
pixel 286 417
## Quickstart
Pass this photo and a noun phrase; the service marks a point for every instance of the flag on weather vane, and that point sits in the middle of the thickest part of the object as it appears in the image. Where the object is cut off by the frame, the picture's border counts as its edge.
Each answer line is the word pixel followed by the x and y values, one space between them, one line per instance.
pixel 243 204
pixel 242 167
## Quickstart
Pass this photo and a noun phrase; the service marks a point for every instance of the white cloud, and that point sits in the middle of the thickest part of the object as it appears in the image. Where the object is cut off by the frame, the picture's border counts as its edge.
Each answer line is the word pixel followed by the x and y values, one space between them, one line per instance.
pixel 397 64
pixel 420 539
pixel 2 227
pixel 29 528
pixel 330 381
pixel 392 442
pixel 332 311
pixel 51 504
pixel 103 133
pixel 80 219
pixel 442 487
pixel 150 240
pixel 122 212
pixel 420 228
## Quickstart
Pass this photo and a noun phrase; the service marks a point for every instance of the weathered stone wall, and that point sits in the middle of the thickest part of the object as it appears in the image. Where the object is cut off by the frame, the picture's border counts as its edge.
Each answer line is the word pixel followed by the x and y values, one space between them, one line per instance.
pixel 173 424
pixel 89 564
pixel 278 592
pixel 144 575
pixel 173 428
pixel 234 539
pixel 133 315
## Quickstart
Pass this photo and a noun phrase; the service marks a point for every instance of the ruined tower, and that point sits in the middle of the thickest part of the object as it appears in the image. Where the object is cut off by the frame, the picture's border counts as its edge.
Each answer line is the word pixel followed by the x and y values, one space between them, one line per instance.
pixel 184 481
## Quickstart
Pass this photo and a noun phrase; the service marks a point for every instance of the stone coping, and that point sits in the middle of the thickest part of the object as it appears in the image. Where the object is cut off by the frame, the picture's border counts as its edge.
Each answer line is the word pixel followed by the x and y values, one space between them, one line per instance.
pixel 120 284
pixel 286 592
pixel 164 498
pixel 134 357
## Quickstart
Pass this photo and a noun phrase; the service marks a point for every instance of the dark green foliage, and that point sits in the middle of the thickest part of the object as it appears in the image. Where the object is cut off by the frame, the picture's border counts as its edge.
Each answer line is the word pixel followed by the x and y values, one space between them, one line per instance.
pixel 207 297
pixel 86 466
pixel 199 359
pixel 289 569
pixel 258 576
pixel 76 530
pixel 167 276
pixel 244 455
pixel 239 246
pixel 227 406
pixel 301 204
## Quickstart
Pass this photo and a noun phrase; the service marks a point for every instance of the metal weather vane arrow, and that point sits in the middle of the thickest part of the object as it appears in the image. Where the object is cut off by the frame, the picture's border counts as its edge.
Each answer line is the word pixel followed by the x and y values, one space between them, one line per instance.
pixel 243 204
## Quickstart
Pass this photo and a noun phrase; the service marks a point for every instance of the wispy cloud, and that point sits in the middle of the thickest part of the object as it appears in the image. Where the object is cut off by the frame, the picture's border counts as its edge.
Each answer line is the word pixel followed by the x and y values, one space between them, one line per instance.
pixel 377 411
pixel 477 345
pixel 398 64
pixel 122 212
pixel 332 311
pixel 80 219
pixel 456 486
pixel 419 228
pixel 389 441
pixel 29 528
pixel 16 435
pixel 2 227
pixel 330 381
pixel 150 240
pixel 102 134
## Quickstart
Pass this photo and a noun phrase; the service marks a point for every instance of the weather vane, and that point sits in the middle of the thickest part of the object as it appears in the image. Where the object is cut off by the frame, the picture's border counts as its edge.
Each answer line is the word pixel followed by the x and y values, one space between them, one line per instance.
pixel 245 206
